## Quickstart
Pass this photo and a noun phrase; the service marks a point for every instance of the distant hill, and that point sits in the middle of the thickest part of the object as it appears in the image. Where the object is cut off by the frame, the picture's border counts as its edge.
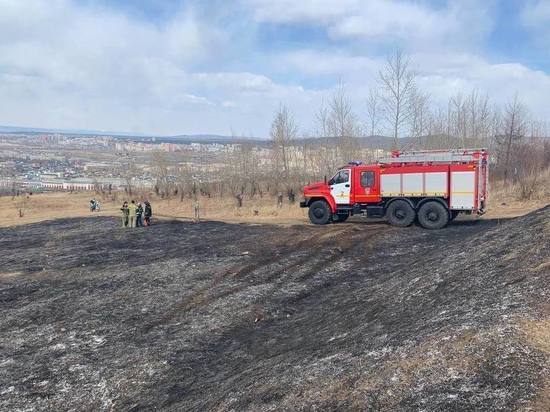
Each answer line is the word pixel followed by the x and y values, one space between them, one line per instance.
pixel 33 130
pixel 376 142
pixel 191 138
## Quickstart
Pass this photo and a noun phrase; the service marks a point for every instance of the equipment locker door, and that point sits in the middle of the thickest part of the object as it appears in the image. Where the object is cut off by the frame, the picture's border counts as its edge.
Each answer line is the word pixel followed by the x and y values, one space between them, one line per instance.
pixel 463 190
pixel 340 187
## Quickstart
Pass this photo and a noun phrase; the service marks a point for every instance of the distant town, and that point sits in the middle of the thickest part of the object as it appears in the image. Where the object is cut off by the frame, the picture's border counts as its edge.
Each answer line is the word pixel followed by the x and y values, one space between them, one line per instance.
pixel 39 162
pixel 55 161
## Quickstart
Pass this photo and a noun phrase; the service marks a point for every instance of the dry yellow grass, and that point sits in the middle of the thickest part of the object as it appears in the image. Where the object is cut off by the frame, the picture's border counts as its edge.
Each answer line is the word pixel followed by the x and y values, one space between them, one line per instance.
pixel 50 206
pixel 505 199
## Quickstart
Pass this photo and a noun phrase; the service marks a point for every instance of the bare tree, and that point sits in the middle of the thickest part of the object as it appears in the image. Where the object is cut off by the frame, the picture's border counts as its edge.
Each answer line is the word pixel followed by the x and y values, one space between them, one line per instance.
pixel 514 129
pixel 531 159
pixel 161 174
pixel 458 121
pixel 342 124
pixel 495 127
pixel 397 82
pixel 326 156
pixel 479 116
pixel 374 111
pixel 470 119
pixel 321 118
pixel 21 204
pixel 539 129
pixel 183 179
pixel 283 132
pixel 129 172
pixel 419 122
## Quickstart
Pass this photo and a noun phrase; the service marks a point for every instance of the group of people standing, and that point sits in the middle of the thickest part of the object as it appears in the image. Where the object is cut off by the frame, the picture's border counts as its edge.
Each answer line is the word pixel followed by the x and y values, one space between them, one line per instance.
pixel 136 215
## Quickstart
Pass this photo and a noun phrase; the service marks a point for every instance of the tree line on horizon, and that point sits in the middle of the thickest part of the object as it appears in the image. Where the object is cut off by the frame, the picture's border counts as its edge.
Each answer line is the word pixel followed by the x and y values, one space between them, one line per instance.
pixel 395 107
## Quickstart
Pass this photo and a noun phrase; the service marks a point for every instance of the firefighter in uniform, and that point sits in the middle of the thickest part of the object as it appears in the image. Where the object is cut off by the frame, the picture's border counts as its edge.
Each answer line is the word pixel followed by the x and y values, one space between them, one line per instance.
pixel 132 213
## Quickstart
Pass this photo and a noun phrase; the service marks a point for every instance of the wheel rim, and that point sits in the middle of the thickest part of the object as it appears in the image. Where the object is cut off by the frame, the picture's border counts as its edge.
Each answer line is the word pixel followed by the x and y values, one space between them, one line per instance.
pixel 400 214
pixel 318 213
pixel 433 216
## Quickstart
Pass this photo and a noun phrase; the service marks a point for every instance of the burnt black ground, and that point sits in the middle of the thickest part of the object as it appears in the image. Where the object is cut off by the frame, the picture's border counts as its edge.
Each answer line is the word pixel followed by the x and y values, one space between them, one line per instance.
pixel 187 316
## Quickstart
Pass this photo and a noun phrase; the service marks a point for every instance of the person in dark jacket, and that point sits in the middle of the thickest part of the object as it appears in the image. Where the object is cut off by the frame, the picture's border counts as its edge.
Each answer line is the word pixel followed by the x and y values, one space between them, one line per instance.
pixel 139 213
pixel 147 213
pixel 125 214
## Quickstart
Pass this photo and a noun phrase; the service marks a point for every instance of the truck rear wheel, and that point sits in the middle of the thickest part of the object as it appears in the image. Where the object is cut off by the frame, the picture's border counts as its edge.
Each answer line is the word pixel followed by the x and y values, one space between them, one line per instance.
pixel 433 215
pixel 400 213
pixel 319 212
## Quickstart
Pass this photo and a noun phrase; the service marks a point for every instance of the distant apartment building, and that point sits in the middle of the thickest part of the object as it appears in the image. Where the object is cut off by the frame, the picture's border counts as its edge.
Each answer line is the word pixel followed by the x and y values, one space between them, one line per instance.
pixel 57 185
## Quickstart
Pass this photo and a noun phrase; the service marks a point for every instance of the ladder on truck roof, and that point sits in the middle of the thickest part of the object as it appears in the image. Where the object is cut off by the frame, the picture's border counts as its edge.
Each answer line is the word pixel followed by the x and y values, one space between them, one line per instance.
pixel 435 156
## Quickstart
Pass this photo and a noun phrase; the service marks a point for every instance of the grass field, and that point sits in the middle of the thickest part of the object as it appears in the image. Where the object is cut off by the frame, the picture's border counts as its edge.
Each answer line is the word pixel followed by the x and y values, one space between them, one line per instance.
pixel 51 206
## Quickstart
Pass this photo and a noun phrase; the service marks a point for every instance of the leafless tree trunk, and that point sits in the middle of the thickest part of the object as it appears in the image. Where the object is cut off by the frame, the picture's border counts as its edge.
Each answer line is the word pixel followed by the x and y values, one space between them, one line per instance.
pixel 419 102
pixel 129 172
pixel 342 124
pixel 374 110
pixel 283 133
pixel 514 123
pixel 397 81
pixel 21 204
pixel 326 156
pixel 161 173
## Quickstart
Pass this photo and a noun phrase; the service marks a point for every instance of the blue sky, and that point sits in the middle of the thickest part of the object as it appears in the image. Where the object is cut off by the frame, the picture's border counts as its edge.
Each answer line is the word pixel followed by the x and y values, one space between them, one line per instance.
pixel 216 66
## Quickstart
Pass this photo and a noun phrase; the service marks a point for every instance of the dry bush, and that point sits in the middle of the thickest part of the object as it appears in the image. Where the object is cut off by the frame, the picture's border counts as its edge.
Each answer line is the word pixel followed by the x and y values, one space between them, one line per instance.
pixel 529 177
pixel 528 188
pixel 21 204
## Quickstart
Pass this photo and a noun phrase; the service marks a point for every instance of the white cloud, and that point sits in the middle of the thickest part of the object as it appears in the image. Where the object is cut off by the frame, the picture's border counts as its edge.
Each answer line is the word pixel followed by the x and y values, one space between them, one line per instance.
pixel 70 66
pixel 321 63
pixel 384 20
pixel 447 74
pixel 67 66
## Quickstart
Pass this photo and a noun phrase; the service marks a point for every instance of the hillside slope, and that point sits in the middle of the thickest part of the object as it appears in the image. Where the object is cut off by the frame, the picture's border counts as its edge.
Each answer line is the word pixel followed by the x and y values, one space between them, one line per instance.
pixel 215 316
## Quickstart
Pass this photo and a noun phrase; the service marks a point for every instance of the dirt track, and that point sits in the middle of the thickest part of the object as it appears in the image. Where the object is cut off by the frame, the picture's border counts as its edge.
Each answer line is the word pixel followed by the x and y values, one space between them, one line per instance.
pixel 219 316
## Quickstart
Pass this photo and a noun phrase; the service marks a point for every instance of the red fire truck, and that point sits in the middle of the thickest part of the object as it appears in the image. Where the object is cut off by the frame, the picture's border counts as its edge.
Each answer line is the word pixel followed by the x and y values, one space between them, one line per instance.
pixel 432 187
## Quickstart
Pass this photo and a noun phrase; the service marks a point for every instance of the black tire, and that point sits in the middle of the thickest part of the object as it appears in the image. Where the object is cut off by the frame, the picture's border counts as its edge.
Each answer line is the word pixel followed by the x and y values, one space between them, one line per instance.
pixel 339 218
pixel 400 213
pixel 319 212
pixel 433 215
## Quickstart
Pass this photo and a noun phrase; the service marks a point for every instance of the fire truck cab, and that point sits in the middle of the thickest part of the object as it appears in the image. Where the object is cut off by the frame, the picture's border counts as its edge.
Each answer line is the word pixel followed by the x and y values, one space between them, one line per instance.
pixel 432 187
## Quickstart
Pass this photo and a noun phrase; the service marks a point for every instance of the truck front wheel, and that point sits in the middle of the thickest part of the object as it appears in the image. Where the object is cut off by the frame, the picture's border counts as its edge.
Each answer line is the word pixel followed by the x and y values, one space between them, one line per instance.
pixel 319 212
pixel 433 215
pixel 400 213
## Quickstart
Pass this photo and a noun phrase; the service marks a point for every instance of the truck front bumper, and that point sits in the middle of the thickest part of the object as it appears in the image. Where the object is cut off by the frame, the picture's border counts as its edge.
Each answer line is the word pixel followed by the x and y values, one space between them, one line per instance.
pixel 303 203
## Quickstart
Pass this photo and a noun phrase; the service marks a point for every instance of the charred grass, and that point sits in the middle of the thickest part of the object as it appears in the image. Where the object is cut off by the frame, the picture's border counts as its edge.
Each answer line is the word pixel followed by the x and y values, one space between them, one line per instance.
pixel 220 316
